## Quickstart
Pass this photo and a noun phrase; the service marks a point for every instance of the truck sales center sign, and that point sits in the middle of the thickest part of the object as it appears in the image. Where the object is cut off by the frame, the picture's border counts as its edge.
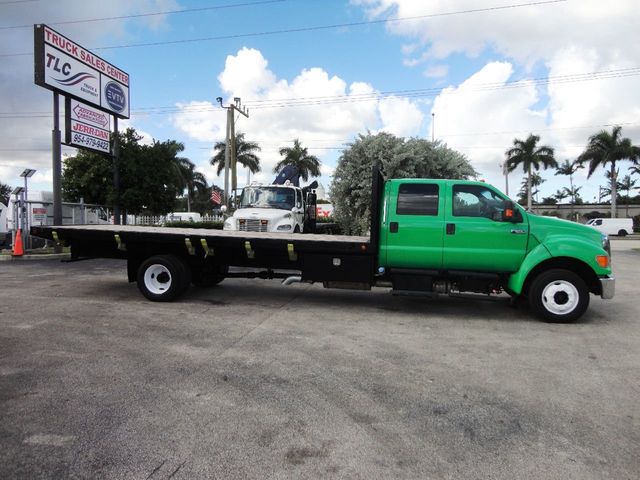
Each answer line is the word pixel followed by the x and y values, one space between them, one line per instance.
pixel 66 67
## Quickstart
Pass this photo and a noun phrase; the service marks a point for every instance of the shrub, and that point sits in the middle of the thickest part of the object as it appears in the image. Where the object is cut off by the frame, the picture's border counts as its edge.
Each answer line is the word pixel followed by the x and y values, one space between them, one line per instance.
pixel 207 225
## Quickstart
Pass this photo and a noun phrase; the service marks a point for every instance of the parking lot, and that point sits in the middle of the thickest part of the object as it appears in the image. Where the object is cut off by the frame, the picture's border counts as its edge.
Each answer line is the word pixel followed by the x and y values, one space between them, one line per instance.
pixel 252 379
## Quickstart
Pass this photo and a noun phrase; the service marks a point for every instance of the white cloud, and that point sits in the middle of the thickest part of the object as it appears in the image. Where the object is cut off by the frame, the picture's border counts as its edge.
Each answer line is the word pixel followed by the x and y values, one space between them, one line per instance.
pixel 567 38
pixel 329 112
pixel 469 118
pixel 436 71
pixel 400 116
pixel 523 33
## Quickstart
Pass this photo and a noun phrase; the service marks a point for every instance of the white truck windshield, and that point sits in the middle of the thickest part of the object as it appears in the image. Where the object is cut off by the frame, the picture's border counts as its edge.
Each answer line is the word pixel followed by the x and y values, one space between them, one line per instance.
pixel 267 197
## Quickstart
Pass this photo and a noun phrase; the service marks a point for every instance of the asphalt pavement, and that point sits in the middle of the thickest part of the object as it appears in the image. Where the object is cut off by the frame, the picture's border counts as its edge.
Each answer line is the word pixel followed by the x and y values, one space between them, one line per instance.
pixel 252 379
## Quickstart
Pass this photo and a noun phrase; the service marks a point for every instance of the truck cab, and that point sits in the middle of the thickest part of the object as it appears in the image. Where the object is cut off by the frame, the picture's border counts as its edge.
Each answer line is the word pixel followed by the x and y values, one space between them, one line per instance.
pixel 462 236
pixel 269 208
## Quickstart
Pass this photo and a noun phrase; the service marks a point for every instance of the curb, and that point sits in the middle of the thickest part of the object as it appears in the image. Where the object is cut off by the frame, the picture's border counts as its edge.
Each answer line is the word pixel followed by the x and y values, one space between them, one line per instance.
pixel 27 257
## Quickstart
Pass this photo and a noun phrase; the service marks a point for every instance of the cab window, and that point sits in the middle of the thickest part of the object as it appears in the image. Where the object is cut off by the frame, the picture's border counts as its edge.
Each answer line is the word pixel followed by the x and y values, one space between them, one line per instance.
pixel 417 199
pixel 476 201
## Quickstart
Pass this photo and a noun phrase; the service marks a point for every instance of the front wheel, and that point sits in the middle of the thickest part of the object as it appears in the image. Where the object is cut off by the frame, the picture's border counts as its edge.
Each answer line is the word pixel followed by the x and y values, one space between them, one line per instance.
pixel 162 278
pixel 622 233
pixel 558 296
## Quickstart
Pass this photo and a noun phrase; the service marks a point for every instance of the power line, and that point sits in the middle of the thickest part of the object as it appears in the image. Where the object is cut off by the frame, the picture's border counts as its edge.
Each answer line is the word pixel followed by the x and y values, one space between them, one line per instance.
pixel 374 96
pixel 18 1
pixel 150 14
pixel 312 28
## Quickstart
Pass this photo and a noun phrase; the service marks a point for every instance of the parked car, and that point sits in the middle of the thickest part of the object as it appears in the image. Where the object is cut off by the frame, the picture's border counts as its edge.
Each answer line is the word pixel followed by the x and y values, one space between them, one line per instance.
pixel 612 226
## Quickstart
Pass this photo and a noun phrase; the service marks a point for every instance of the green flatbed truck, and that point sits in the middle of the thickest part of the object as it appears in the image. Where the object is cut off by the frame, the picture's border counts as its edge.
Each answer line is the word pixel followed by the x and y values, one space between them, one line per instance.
pixel 427 237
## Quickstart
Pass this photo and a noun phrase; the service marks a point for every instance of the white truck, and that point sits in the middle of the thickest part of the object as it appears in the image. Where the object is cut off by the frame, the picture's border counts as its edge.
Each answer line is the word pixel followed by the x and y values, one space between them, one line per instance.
pixel 612 226
pixel 271 208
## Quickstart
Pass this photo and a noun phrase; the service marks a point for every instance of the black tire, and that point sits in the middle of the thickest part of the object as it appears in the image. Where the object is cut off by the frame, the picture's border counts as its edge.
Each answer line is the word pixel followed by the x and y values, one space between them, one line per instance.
pixel 558 296
pixel 622 233
pixel 162 278
pixel 296 229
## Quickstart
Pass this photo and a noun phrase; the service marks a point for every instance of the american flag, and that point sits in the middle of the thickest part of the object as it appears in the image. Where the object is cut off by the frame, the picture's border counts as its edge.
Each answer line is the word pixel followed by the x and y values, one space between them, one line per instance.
pixel 216 197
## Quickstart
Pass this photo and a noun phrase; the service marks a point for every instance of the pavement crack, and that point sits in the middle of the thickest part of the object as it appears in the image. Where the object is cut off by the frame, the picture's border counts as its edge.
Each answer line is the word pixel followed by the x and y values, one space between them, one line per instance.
pixel 155 470
pixel 176 470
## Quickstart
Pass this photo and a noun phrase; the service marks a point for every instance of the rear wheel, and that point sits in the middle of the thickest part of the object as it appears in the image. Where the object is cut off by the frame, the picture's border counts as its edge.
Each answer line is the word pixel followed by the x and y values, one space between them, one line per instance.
pixel 558 296
pixel 162 278
pixel 622 233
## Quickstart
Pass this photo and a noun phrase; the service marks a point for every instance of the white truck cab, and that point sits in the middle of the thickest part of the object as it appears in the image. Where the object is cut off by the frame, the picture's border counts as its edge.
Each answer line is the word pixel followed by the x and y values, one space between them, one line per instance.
pixel 269 208
pixel 612 226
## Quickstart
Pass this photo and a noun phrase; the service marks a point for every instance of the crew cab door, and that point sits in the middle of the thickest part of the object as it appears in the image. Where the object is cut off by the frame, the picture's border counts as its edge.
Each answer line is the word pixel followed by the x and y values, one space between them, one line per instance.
pixel 476 237
pixel 412 227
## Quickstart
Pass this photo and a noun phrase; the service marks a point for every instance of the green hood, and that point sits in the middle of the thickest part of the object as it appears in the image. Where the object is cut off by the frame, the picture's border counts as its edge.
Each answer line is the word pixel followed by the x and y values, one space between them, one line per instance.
pixel 542 227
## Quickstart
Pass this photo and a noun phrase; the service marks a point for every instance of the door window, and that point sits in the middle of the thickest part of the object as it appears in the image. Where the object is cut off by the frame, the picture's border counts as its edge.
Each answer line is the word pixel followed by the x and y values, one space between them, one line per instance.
pixel 417 199
pixel 476 201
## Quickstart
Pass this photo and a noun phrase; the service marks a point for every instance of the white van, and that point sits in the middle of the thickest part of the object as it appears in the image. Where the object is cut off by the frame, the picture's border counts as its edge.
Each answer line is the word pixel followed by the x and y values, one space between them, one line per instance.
pixel 612 226
pixel 184 217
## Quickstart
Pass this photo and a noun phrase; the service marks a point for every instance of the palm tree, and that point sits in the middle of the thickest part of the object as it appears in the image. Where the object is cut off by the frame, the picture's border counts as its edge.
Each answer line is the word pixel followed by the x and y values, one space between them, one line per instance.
pixel 245 156
pixel 561 195
pixel 298 156
pixel 609 148
pixel 5 193
pixel 190 179
pixel 531 156
pixel 569 168
pixel 536 181
pixel 626 185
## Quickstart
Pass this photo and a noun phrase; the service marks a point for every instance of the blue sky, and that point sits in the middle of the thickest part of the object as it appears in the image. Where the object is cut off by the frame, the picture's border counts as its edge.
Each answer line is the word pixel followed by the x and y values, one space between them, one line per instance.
pixel 464 64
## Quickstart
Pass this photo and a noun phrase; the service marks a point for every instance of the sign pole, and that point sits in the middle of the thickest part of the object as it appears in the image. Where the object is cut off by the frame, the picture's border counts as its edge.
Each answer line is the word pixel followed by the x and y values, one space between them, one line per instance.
pixel 116 171
pixel 56 153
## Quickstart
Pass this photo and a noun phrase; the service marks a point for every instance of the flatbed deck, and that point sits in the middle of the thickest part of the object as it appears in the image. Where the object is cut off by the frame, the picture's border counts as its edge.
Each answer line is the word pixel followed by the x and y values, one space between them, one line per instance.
pixel 305 242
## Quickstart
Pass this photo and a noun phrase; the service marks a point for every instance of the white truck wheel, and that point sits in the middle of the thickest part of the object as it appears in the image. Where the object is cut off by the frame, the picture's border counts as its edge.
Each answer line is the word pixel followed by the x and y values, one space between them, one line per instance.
pixel 162 278
pixel 558 296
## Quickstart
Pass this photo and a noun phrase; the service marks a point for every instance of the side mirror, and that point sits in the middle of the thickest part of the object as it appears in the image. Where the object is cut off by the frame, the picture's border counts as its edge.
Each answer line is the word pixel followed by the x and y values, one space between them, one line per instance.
pixel 313 184
pixel 511 213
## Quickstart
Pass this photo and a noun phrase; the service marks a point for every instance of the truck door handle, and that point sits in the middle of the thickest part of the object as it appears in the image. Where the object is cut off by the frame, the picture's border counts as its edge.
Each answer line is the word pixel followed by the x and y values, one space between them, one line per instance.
pixel 393 227
pixel 451 228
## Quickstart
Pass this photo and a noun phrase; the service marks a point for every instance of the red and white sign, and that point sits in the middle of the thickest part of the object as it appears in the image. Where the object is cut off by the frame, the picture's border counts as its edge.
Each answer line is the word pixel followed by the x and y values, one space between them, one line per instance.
pixel 86 114
pixel 324 210
pixel 87 127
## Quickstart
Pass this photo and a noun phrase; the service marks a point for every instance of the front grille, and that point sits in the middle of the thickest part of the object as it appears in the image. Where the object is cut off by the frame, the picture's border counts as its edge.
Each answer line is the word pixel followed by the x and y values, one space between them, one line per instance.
pixel 253 225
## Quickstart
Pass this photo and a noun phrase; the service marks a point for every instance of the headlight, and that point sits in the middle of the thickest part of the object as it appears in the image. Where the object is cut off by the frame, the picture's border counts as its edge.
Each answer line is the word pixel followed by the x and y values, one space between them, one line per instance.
pixel 228 225
pixel 284 227
pixel 606 244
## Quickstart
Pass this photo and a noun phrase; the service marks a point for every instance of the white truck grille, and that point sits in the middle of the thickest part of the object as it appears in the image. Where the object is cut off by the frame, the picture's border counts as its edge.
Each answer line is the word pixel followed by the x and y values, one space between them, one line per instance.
pixel 253 225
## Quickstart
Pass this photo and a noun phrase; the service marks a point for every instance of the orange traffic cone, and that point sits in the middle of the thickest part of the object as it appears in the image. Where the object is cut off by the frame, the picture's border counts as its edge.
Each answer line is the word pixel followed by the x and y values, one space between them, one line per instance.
pixel 18 251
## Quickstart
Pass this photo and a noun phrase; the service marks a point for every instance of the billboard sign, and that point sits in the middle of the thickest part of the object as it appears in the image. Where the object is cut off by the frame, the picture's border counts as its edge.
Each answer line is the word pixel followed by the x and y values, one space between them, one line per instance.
pixel 87 127
pixel 64 66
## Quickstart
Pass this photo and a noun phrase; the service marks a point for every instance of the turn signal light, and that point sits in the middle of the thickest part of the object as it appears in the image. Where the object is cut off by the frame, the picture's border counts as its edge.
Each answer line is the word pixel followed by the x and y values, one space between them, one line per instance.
pixel 602 260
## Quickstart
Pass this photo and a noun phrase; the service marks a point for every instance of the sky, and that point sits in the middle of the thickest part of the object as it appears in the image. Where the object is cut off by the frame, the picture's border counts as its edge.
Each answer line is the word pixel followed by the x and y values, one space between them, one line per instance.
pixel 474 74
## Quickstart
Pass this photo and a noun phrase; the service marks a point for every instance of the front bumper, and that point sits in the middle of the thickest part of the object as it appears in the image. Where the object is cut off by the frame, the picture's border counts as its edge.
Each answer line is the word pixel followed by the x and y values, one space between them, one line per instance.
pixel 608 285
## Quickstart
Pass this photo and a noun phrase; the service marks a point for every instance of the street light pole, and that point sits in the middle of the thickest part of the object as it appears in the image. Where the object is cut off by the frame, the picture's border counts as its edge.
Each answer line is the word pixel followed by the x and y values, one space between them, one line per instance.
pixel 27 173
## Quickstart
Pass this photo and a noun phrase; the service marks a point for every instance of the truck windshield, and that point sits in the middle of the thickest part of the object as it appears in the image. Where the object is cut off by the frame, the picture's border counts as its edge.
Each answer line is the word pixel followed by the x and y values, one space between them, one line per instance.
pixel 267 197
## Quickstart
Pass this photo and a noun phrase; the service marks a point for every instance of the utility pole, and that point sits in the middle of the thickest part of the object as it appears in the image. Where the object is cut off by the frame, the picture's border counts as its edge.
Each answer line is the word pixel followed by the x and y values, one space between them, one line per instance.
pixel 505 171
pixel 230 160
